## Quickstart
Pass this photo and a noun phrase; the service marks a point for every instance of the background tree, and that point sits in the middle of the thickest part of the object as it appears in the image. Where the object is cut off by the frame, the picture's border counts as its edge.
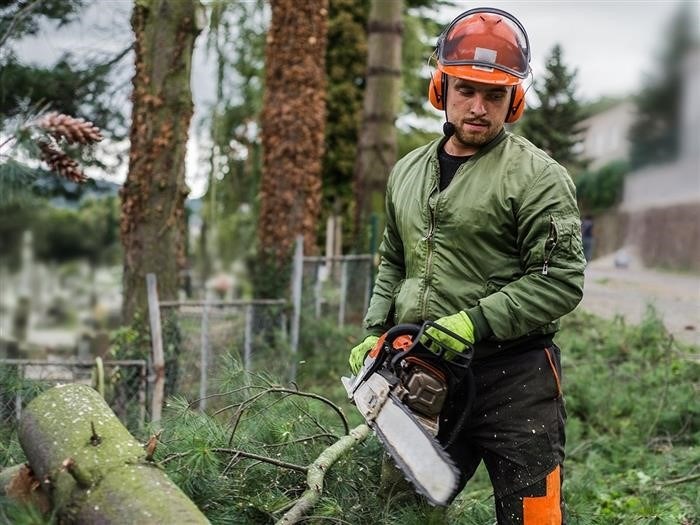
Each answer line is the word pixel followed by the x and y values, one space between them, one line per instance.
pixel 346 65
pixel 377 148
pixel 553 124
pixel 236 40
pixel 293 121
pixel 655 134
pixel 153 196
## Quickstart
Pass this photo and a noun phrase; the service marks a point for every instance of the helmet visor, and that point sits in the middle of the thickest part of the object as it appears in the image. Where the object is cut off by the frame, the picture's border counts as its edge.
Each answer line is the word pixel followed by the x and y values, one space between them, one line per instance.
pixel 486 39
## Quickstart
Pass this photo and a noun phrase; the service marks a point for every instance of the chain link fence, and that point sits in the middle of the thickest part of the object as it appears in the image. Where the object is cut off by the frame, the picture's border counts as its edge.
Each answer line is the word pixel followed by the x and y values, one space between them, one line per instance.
pixel 337 287
pixel 125 385
pixel 204 339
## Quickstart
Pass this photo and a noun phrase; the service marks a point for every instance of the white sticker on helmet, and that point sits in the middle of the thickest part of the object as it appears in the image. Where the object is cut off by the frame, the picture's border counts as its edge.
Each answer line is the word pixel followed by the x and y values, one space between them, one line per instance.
pixel 485 55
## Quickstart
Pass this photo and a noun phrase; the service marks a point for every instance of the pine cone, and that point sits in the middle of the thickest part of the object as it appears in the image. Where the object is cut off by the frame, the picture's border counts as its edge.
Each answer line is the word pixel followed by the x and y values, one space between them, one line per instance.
pixel 61 163
pixel 74 130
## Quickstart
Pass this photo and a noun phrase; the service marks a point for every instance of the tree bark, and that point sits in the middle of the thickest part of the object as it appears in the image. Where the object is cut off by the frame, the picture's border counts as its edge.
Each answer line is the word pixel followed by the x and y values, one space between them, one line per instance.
pixel 293 121
pixel 153 215
pixel 377 148
pixel 94 470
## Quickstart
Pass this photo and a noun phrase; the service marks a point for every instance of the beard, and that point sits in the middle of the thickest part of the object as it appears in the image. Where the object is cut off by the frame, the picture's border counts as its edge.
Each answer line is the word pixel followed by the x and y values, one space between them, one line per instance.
pixel 475 139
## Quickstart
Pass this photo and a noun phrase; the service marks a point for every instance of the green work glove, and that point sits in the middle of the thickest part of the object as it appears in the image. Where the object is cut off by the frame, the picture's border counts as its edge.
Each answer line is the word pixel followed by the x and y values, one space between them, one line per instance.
pixel 460 324
pixel 358 353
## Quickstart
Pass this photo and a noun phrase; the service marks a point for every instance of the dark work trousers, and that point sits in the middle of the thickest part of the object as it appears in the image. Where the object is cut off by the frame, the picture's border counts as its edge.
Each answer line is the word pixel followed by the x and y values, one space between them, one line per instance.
pixel 517 428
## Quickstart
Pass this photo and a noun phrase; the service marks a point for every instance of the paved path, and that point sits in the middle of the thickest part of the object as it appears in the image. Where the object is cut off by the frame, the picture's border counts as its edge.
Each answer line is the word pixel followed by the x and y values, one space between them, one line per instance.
pixel 611 290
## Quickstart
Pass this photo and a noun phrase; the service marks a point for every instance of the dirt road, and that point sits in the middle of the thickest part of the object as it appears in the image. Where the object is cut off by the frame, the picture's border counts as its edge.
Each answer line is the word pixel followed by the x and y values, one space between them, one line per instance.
pixel 611 290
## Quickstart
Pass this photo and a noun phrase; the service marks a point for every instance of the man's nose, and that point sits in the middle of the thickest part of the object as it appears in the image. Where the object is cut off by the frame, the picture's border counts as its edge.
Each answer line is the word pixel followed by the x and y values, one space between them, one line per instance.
pixel 479 104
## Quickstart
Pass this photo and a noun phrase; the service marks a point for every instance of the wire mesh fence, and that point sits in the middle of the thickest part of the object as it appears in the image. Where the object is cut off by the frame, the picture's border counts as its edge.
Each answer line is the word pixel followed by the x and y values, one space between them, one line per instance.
pixel 125 385
pixel 202 338
pixel 337 287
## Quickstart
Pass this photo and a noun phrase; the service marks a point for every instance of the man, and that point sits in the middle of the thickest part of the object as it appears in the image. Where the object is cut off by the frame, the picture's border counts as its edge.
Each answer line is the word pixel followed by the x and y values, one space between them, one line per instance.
pixel 483 236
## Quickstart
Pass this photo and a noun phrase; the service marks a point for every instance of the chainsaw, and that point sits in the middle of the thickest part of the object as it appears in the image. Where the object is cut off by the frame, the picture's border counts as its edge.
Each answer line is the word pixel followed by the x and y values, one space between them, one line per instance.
pixel 416 400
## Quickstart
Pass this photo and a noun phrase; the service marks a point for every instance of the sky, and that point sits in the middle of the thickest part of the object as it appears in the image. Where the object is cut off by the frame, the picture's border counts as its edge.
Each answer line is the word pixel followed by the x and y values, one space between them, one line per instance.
pixel 611 44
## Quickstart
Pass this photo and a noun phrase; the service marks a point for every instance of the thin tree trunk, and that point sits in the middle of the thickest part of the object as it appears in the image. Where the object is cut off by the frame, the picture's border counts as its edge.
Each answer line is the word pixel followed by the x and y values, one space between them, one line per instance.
pixel 293 121
pixel 153 196
pixel 377 147
pixel 92 469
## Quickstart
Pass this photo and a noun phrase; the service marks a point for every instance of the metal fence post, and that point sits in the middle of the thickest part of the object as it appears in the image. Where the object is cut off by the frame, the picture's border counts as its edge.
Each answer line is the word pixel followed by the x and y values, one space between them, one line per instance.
pixel 157 347
pixel 247 338
pixel 297 277
pixel 343 291
pixel 204 354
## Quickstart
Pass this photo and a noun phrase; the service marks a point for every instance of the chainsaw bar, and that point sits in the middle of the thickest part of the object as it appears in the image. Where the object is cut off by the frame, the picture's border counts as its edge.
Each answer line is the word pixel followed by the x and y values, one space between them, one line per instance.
pixel 416 452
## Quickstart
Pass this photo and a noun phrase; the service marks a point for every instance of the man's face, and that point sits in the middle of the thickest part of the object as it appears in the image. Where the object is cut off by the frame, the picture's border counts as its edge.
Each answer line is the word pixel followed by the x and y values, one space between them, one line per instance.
pixel 478 112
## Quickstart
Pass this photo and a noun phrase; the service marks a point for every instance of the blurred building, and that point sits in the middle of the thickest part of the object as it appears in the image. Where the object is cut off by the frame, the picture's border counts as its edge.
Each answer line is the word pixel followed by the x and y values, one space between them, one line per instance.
pixel 676 182
pixel 659 215
pixel 605 134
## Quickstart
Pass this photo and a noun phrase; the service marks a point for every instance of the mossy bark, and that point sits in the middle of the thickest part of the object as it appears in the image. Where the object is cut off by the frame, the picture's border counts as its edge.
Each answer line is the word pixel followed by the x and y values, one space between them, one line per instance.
pixel 94 470
pixel 153 224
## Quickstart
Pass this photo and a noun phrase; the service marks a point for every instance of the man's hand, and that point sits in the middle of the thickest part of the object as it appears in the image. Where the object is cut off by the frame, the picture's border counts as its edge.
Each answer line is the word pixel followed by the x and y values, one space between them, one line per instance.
pixel 358 353
pixel 460 324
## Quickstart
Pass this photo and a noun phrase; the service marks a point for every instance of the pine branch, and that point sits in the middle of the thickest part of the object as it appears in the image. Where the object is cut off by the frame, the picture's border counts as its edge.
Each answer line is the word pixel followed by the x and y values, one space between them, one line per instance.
pixel 22 13
pixel 264 459
pixel 317 472
pixel 282 390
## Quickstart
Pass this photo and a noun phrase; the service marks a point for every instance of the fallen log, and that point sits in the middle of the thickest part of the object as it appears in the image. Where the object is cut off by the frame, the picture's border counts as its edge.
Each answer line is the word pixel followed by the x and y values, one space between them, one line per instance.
pixel 92 468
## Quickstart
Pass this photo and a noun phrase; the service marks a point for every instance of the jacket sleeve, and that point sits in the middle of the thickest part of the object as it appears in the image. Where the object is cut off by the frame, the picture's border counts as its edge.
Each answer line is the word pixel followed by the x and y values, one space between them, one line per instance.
pixel 551 256
pixel 390 273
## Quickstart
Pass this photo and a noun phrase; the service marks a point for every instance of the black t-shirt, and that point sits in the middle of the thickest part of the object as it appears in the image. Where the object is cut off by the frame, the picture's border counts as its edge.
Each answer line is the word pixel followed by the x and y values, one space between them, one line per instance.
pixel 449 164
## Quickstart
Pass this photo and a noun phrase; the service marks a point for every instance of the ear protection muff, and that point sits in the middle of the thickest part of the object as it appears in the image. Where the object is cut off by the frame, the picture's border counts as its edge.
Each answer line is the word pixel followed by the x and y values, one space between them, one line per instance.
pixel 435 93
pixel 437 97
pixel 517 104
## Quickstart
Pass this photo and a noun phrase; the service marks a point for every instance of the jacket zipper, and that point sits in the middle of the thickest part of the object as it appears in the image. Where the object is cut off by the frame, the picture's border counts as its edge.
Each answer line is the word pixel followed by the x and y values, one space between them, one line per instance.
pixel 553 238
pixel 429 259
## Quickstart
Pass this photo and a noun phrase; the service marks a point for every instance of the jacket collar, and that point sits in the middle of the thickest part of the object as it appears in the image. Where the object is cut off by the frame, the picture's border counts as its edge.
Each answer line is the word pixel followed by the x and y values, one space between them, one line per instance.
pixel 483 150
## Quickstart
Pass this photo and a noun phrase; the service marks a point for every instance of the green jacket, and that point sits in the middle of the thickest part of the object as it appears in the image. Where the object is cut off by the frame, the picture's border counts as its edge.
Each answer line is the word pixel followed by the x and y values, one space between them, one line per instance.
pixel 502 242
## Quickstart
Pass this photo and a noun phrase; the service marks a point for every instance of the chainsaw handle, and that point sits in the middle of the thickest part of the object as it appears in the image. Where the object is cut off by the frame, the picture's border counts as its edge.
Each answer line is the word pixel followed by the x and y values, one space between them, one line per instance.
pixel 460 359
pixel 397 331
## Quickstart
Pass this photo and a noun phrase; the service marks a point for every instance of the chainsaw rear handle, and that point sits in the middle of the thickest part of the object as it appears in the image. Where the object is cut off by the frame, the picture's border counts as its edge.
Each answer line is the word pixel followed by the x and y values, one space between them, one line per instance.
pixel 461 359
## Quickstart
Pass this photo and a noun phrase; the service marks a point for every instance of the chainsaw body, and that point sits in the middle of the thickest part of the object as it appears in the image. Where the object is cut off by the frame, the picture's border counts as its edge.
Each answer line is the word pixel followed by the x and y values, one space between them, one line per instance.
pixel 416 400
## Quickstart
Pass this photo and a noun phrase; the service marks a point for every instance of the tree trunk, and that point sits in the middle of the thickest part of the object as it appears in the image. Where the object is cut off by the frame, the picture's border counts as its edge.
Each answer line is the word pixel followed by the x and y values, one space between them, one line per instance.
pixel 293 120
pixel 153 196
pixel 377 148
pixel 94 470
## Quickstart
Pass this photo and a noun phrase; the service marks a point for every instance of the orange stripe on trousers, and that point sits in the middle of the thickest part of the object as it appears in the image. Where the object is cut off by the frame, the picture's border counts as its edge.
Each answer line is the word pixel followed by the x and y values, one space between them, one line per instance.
pixel 545 510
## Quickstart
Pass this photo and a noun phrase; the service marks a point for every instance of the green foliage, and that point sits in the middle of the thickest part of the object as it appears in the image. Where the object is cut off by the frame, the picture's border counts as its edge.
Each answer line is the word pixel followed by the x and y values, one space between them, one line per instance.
pixel 346 64
pixel 633 436
pixel 237 42
pixel 656 133
pixel 420 35
pixel 19 19
pixel 553 125
pixel 89 232
pixel 601 189
pixel 633 428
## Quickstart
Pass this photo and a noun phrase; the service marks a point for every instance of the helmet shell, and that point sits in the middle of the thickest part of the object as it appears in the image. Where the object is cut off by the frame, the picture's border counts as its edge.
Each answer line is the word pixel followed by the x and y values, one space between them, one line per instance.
pixel 485 45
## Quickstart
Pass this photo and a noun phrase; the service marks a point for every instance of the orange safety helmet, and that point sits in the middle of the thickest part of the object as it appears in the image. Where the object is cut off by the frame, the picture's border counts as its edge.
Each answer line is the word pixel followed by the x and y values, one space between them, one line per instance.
pixel 484 45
